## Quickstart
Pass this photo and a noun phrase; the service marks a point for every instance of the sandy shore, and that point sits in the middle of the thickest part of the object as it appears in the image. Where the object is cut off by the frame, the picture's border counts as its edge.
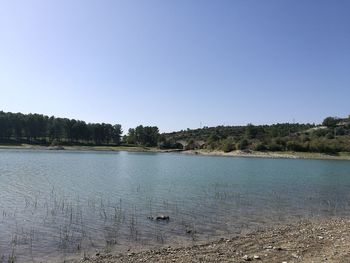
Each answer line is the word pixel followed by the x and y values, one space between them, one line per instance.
pixel 252 154
pixel 306 241
pixel 256 154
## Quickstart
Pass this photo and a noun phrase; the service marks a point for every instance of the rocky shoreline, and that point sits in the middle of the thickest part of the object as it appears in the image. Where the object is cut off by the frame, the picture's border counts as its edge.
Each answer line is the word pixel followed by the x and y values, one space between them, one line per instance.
pixel 305 241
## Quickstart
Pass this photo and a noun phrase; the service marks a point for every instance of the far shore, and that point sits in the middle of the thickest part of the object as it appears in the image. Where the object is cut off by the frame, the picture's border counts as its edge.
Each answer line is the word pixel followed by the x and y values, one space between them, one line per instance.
pixel 237 153
pixel 84 148
pixel 267 154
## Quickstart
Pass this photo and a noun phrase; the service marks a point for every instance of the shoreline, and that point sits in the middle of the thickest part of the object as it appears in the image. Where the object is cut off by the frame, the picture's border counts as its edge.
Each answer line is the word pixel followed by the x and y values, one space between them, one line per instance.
pixel 202 152
pixel 313 240
pixel 82 148
pixel 273 155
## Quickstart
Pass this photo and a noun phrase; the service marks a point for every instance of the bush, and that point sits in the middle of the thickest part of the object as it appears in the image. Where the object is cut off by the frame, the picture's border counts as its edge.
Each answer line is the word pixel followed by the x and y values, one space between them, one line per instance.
pixel 330 135
pixel 339 131
pixel 297 146
pixel 321 132
pixel 324 146
pixel 274 147
pixel 242 145
pixel 228 147
pixel 260 147
pixel 212 145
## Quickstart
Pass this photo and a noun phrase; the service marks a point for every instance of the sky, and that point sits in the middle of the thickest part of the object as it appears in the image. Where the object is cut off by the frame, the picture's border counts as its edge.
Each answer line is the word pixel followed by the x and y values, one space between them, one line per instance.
pixel 176 64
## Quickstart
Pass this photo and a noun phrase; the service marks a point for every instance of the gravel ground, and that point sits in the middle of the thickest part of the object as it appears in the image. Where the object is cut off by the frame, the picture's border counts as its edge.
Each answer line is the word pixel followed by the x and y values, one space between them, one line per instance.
pixel 306 241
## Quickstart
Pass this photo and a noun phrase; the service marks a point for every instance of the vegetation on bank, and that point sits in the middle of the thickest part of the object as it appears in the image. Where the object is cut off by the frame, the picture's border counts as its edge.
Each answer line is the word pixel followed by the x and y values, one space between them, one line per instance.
pixel 38 129
pixel 332 136
pixel 43 130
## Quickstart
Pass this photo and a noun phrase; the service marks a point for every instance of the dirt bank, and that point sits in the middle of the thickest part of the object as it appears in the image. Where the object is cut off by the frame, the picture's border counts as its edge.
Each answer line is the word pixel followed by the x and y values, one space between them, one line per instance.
pixel 237 153
pixel 257 154
pixel 306 241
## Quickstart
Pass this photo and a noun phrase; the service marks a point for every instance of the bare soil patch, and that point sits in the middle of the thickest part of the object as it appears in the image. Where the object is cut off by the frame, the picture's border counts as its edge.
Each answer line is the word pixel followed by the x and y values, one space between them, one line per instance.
pixel 306 241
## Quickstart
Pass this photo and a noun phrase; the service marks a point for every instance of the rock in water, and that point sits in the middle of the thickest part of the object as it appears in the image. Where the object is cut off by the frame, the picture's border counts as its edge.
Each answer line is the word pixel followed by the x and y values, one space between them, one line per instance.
pixel 162 217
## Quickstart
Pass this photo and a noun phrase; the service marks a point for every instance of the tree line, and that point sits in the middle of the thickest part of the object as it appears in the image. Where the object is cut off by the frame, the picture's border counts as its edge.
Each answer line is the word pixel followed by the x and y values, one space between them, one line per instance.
pixel 41 129
pixel 143 135
pixel 331 137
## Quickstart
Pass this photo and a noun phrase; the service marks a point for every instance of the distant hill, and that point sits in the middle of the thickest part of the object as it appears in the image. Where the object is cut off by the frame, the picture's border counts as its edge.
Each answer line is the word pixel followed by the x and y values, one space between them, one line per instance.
pixel 332 136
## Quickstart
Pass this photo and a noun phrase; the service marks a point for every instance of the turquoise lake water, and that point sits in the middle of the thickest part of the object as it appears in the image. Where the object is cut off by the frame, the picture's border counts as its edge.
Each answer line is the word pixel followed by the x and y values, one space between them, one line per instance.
pixel 58 204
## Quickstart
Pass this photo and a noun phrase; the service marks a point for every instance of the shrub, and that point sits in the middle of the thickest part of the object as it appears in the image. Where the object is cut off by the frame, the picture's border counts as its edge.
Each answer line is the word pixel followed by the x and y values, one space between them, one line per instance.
pixel 228 146
pixel 260 147
pixel 274 147
pixel 242 145
pixel 297 146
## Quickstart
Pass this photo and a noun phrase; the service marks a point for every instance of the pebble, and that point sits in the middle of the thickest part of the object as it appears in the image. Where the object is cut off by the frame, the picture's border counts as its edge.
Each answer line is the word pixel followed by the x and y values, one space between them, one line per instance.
pixel 256 257
pixel 277 248
pixel 294 255
pixel 246 258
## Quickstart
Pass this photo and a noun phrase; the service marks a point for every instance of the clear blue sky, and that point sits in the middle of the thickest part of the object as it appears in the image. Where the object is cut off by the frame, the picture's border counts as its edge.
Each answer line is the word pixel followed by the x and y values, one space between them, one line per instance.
pixel 176 64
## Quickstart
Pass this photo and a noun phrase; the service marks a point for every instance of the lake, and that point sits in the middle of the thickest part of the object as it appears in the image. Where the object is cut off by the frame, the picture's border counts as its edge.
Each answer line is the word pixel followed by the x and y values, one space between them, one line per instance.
pixel 59 204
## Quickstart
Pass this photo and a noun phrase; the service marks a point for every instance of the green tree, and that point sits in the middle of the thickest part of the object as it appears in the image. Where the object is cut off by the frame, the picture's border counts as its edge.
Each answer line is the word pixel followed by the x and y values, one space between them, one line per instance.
pixel 330 121
pixel 117 133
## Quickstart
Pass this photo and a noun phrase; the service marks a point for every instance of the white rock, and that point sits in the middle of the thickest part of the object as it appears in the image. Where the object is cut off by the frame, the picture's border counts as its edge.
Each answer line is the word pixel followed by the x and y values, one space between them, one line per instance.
pixel 294 255
pixel 246 258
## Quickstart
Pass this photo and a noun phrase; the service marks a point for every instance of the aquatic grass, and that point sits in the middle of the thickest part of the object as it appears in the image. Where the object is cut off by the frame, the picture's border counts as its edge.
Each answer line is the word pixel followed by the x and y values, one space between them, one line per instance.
pixel 133 225
pixel 159 235
pixel 74 219
pixel 12 257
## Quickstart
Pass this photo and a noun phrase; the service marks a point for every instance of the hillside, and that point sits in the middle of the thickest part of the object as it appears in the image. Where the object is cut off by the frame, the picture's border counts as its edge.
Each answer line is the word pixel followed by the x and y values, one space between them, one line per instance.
pixel 332 136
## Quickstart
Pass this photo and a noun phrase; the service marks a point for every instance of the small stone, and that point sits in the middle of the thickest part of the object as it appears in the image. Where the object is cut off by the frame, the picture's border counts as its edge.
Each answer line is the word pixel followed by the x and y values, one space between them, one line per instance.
pixel 256 257
pixel 246 258
pixel 294 255
pixel 277 248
